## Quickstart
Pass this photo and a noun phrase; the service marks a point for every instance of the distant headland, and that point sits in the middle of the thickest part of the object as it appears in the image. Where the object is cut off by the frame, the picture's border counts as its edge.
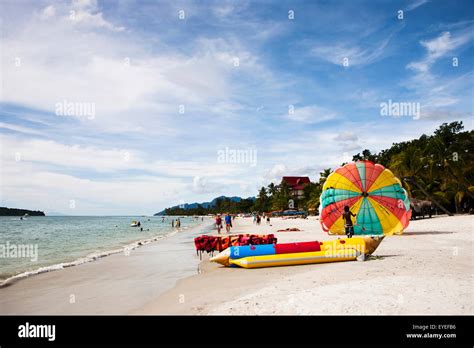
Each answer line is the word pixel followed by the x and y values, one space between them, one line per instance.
pixel 4 211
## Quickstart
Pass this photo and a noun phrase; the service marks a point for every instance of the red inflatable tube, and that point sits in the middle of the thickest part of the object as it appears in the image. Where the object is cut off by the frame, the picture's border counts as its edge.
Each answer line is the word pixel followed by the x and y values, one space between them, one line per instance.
pixel 301 247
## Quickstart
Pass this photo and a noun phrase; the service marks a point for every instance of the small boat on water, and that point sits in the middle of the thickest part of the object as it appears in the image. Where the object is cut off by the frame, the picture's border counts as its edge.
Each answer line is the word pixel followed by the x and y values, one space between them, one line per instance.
pixel 135 223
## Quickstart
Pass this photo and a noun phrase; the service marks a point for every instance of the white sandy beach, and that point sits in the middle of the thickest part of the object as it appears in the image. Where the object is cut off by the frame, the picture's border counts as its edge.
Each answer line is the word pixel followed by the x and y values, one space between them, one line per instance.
pixel 428 270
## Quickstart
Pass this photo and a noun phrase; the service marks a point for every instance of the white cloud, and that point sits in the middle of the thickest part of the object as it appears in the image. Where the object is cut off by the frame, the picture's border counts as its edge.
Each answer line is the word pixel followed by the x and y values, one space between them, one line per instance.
pixel 112 160
pixel 366 98
pixel 20 129
pixel 348 141
pixel 135 90
pixel 439 47
pixel 84 4
pixel 26 186
pixel 224 11
pixel 437 92
pixel 275 173
pixel 415 4
pixel 48 12
pixel 85 12
pixel 442 114
pixel 122 77
pixel 105 181
pixel 310 114
pixel 350 54
pixel 202 185
pixel 93 20
pixel 346 136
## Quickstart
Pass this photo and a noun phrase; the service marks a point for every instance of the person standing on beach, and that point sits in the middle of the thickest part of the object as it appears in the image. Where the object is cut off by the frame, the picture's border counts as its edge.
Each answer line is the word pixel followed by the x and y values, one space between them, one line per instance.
pixel 172 223
pixel 218 224
pixel 346 215
pixel 228 222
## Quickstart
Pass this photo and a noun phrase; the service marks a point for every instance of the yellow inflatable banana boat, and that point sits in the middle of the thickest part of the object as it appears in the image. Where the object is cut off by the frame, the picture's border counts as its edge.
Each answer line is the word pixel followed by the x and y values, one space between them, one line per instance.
pixel 303 253
pixel 295 259
pixel 348 249
pixel 365 245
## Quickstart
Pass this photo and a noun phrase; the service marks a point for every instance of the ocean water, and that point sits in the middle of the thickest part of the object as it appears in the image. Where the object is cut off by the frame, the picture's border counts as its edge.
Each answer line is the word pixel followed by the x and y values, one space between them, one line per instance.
pixel 43 243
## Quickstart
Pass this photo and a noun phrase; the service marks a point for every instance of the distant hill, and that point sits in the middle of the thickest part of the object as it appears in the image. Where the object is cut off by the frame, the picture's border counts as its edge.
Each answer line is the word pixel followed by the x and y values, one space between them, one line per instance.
pixel 205 205
pixel 4 211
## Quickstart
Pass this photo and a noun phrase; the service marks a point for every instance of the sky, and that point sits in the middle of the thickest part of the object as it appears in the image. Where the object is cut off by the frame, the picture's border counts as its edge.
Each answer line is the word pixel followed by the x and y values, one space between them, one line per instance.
pixel 129 107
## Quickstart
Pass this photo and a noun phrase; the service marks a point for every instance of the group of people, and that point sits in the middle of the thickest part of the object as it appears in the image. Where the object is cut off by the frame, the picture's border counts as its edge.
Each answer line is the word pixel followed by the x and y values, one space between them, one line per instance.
pixel 257 219
pixel 228 222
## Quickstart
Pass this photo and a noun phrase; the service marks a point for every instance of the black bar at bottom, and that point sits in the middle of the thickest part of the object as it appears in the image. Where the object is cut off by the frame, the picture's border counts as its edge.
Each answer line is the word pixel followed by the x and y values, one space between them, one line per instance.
pixel 192 330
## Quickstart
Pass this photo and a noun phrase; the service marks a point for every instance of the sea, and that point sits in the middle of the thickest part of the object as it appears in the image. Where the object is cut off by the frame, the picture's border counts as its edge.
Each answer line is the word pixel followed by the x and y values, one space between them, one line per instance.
pixel 40 244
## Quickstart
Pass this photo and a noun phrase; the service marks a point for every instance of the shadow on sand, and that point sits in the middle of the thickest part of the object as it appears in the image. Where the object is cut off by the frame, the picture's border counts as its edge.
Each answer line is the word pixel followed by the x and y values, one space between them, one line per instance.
pixel 380 257
pixel 424 233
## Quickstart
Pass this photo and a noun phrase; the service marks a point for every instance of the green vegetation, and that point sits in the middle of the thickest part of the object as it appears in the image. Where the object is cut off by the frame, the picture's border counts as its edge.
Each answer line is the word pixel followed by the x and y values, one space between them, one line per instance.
pixel 19 212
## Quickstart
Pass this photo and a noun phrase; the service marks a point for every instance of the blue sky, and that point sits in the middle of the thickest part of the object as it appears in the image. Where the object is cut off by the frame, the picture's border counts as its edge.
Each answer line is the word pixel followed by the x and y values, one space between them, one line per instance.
pixel 303 94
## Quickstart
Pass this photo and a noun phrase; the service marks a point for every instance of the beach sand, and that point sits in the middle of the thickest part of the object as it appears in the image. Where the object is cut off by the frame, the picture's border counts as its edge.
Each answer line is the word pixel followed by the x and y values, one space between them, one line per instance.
pixel 427 270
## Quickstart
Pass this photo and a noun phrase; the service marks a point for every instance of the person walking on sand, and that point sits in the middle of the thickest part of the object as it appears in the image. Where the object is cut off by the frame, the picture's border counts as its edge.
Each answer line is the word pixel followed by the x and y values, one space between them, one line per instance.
pixel 172 223
pixel 348 221
pixel 228 222
pixel 218 224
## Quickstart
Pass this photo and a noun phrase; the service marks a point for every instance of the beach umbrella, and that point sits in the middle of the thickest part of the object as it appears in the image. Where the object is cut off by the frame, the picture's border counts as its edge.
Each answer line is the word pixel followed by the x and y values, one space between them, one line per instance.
pixel 372 192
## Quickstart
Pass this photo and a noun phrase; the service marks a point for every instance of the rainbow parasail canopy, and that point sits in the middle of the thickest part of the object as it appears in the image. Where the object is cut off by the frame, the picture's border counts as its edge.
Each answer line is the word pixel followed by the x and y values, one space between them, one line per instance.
pixel 372 192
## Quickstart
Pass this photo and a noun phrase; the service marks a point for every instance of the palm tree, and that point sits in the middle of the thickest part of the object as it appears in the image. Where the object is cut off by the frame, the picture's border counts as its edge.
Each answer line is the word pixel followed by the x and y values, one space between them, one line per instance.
pixel 324 175
pixel 262 200
pixel 272 189
pixel 313 200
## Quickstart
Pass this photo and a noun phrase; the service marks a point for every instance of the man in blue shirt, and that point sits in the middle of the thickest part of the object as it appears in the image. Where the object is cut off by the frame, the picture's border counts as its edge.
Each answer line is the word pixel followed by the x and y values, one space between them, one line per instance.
pixel 228 222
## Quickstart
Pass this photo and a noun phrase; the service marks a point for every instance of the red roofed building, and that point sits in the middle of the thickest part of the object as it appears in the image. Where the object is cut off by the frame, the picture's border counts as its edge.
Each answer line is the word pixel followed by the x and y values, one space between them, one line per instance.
pixel 296 184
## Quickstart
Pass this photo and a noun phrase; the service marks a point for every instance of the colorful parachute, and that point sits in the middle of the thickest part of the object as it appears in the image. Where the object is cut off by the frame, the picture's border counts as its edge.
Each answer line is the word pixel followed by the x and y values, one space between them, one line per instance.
pixel 372 192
